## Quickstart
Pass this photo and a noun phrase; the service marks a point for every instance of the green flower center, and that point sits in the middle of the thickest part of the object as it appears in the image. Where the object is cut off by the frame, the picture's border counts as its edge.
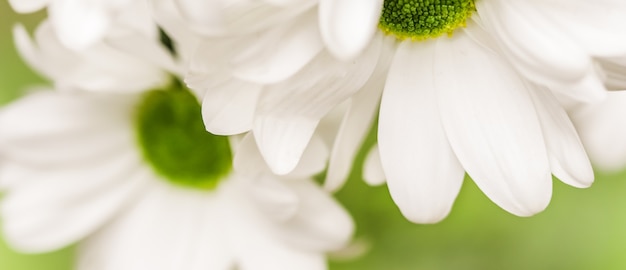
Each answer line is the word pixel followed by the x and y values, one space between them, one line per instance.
pixel 173 140
pixel 424 19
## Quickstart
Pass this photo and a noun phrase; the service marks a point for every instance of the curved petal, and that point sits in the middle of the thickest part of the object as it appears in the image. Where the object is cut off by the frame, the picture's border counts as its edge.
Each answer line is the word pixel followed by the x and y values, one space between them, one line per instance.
pixel 541 52
pixel 50 128
pixel 423 174
pixel 229 107
pixel 357 121
pixel 279 53
pixel 602 130
pixel 320 224
pixel 51 208
pixel 595 26
pixel 79 24
pixel 568 159
pixel 492 125
pixel 282 140
pixel 373 173
pixel 167 228
pixel 250 231
pixel 347 26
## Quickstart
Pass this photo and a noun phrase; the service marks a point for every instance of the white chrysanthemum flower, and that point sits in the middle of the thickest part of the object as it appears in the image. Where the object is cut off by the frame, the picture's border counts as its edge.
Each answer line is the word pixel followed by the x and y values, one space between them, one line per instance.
pixel 139 183
pixel 80 24
pixel 473 86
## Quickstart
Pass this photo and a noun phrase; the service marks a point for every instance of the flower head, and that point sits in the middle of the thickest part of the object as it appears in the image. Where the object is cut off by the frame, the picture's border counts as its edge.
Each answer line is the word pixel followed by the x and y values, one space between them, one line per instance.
pixel 482 87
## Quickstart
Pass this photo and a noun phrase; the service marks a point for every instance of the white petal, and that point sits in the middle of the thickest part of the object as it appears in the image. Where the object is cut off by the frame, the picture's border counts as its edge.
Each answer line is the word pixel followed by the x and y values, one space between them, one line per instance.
pixel 254 246
pixel 145 48
pixel 282 140
pixel 28 50
pixel 423 175
pixel 320 224
pixel 492 125
pixel 50 209
pixel 28 6
pixel 275 199
pixel 538 50
pixel 602 130
pixel 357 122
pixel 595 26
pixel 313 161
pixel 288 112
pixel 167 228
pixel 568 159
pixel 49 128
pixel 229 107
pixel 280 53
pixel 348 25
pixel 615 72
pixel 373 173
pixel 79 24
pixel 248 159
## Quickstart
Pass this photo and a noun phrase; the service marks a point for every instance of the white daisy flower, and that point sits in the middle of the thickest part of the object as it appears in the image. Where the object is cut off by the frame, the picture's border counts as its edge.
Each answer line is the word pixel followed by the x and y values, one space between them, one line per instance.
pixel 80 24
pixel 139 184
pixel 474 86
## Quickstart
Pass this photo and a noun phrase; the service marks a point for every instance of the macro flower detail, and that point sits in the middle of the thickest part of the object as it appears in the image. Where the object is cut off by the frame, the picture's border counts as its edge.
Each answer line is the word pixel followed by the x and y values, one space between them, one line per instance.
pixel 169 125
pixel 117 160
pixel 419 19
pixel 127 215
pixel 466 89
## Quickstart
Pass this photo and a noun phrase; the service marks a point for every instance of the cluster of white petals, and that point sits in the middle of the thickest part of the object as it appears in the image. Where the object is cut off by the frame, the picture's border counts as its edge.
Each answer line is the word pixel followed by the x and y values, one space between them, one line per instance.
pixel 73 172
pixel 521 91
pixel 499 99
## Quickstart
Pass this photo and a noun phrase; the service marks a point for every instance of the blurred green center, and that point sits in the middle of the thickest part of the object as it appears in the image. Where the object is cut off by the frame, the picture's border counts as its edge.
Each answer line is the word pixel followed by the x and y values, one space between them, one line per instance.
pixel 173 140
pixel 424 19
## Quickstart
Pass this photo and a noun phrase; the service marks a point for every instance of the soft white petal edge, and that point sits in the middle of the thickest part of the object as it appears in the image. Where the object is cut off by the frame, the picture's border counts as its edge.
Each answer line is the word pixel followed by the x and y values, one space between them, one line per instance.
pixel 491 123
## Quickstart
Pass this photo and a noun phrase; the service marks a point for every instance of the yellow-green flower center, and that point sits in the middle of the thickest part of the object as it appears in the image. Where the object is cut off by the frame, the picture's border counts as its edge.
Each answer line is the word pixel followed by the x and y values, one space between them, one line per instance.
pixel 424 19
pixel 173 140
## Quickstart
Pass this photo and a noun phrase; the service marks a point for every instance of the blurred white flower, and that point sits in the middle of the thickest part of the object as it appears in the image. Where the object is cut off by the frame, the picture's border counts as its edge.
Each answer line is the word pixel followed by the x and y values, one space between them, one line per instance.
pixel 131 174
pixel 82 23
pixel 480 87
pixel 139 184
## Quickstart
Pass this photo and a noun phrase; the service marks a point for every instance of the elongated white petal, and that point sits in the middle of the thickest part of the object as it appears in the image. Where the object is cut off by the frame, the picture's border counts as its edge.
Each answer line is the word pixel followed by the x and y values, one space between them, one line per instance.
pixel 280 53
pixel 373 173
pixel 167 228
pixel 314 159
pixel 250 232
pixel 79 24
pixel 50 209
pixel 320 224
pixel 539 50
pixel 273 198
pixel 594 26
pixel 602 130
pixel 48 128
pixel 568 159
pixel 28 50
pixel 492 124
pixel 229 107
pixel 357 121
pixel 282 140
pixel 144 47
pixel 347 26
pixel 423 175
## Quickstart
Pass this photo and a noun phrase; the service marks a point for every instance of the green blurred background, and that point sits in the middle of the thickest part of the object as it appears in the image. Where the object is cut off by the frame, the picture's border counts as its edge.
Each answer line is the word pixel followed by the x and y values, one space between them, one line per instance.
pixel 581 229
